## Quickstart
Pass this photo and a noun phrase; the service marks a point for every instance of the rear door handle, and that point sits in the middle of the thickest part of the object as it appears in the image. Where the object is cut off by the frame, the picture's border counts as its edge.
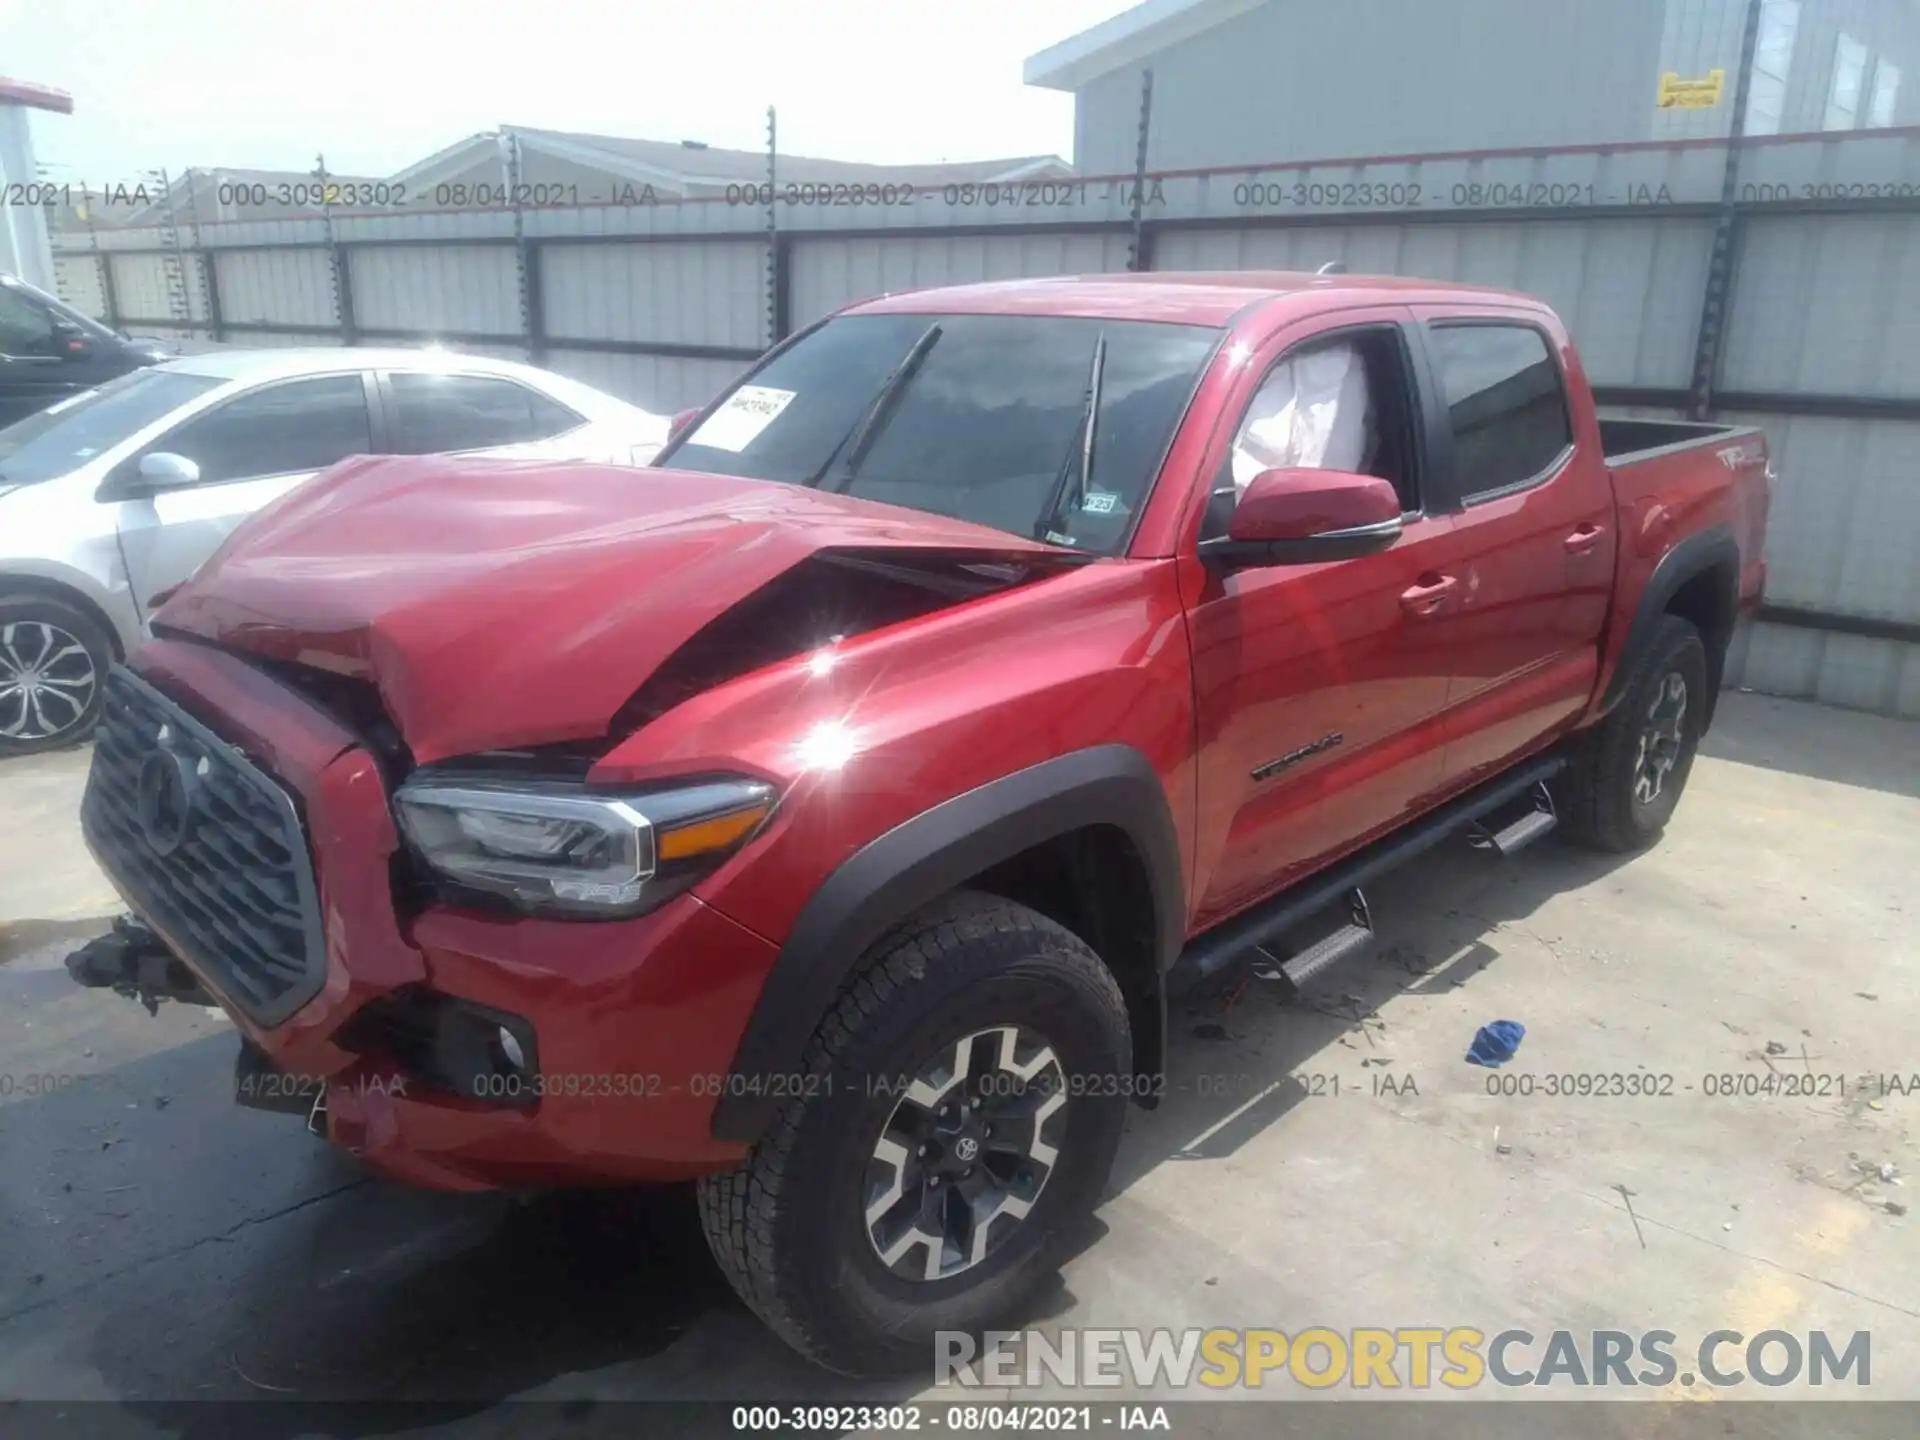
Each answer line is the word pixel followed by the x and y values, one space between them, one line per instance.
pixel 1584 539
pixel 1429 595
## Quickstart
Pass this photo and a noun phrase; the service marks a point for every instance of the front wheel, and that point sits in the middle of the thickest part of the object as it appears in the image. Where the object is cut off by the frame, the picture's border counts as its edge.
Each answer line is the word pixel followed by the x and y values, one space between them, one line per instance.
pixel 1628 772
pixel 53 660
pixel 963 1104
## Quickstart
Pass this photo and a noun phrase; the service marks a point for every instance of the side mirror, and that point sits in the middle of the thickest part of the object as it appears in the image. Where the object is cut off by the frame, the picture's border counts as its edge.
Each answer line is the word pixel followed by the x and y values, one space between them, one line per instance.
pixel 1305 517
pixel 162 470
pixel 681 421
pixel 158 471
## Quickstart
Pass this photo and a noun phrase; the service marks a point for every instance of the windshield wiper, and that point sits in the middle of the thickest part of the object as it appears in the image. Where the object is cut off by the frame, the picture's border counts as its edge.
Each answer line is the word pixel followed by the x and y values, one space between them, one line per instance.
pixel 857 441
pixel 1070 489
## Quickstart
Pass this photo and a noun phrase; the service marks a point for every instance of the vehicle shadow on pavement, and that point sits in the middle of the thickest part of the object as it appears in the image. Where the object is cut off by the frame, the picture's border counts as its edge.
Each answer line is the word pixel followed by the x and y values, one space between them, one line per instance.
pixel 1239 1059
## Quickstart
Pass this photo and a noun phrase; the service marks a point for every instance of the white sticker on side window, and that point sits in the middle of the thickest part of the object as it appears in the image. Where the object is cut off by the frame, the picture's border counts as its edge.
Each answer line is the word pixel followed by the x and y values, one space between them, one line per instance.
pixel 748 411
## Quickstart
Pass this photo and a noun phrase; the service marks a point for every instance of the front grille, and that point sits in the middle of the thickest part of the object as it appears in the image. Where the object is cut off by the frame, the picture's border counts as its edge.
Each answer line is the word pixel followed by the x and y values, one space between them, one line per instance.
pixel 208 847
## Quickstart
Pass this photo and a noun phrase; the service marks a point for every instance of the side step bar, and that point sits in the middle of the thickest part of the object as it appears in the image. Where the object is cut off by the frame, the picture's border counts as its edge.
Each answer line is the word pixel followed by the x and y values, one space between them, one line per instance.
pixel 1255 930
pixel 1323 954
pixel 1539 820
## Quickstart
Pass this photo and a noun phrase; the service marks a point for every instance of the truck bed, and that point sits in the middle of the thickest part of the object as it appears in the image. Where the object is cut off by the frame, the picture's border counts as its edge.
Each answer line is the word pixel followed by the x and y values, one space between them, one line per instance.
pixel 1629 440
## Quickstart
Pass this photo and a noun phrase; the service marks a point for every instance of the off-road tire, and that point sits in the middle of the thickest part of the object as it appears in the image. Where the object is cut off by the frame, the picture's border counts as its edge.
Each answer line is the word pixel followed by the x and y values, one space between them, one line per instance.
pixel 31 610
pixel 788 1226
pixel 1595 794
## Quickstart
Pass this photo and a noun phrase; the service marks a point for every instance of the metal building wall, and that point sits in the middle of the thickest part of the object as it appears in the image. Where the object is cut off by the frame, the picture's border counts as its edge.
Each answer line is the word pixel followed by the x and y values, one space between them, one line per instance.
pixel 78 281
pixel 689 293
pixel 1289 81
pixel 1699 36
pixel 292 287
pixel 439 287
pixel 1887 28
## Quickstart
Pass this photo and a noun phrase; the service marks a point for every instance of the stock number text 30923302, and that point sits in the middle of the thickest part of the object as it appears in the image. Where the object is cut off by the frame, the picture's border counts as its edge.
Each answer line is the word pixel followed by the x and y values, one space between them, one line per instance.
pixel 452 195
pixel 1009 195
pixel 1409 195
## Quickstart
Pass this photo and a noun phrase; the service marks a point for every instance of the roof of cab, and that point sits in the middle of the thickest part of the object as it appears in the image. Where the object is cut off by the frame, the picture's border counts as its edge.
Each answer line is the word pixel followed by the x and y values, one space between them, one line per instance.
pixel 1178 297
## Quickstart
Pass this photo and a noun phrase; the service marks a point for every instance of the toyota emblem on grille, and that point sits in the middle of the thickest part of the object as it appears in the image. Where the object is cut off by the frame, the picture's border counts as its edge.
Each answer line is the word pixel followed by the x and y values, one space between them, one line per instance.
pixel 166 800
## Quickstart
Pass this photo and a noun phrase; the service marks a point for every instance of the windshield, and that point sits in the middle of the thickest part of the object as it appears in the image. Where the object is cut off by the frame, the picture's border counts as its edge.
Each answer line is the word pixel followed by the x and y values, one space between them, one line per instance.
pixel 979 417
pixel 61 439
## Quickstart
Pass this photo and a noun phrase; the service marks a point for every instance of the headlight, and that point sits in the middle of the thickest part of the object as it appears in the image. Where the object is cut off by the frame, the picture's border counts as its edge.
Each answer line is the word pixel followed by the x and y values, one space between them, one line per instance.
pixel 563 849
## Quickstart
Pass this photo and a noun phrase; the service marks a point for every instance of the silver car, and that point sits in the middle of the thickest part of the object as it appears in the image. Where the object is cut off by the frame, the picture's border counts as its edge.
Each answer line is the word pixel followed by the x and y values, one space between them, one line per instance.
pixel 120 493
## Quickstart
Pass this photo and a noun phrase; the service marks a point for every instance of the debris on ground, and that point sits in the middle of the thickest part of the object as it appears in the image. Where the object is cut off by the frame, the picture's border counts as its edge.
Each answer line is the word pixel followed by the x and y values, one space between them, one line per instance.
pixel 1494 1043
pixel 1626 1197
pixel 1894 1207
pixel 1774 1047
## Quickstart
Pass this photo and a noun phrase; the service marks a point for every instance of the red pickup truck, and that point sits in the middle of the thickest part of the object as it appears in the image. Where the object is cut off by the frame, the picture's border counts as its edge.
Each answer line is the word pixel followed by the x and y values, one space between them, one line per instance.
pixel 828 813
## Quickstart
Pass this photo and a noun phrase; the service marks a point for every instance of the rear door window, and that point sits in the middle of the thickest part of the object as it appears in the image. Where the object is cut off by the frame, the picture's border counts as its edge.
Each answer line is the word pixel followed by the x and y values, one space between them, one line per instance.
pixel 1506 404
pixel 431 413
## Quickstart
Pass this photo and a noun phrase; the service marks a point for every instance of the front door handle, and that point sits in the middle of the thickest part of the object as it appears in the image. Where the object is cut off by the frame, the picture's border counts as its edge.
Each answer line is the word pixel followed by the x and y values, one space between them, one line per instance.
pixel 1583 539
pixel 1429 595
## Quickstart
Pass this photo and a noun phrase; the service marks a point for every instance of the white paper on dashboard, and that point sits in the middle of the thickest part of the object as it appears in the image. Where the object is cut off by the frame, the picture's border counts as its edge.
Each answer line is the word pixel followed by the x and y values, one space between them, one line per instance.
pixel 748 411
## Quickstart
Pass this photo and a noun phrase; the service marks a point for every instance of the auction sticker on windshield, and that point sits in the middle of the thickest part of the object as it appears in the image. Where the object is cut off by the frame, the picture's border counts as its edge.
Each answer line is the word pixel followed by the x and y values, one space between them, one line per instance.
pixel 748 411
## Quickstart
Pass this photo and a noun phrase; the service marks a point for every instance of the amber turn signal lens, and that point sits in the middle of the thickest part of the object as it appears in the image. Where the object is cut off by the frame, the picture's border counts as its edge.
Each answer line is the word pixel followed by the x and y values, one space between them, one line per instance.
pixel 705 836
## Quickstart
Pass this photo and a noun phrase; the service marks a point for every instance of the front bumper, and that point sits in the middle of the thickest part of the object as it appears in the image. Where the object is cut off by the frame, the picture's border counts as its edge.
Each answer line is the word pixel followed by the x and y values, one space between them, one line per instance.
pixel 631 1024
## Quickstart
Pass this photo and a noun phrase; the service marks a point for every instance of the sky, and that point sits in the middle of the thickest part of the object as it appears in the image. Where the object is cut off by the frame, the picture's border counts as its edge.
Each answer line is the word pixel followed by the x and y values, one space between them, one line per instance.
pixel 378 84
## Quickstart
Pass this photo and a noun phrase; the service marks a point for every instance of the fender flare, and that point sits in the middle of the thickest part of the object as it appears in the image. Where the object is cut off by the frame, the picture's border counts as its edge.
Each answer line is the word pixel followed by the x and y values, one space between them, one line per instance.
pixel 931 855
pixel 1702 551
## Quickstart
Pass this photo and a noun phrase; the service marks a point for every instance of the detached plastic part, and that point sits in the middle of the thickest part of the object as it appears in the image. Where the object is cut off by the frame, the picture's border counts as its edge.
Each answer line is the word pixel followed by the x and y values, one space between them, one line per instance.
pixel 131 960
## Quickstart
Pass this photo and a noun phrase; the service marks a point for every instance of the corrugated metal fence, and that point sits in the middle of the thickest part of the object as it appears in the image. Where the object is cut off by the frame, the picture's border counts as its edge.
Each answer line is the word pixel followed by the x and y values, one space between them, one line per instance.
pixel 1818 339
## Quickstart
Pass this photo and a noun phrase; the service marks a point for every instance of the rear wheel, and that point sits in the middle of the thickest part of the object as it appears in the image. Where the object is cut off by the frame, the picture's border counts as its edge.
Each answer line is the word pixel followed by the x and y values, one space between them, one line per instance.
pixel 1628 772
pixel 53 660
pixel 961 1109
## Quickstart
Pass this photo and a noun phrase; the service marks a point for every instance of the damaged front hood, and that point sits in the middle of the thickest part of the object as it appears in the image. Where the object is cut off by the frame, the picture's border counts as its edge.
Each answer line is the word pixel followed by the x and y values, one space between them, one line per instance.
pixel 496 604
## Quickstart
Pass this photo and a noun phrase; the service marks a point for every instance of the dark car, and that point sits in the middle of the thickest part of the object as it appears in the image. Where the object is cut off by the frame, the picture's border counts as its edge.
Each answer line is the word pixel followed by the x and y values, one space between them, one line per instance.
pixel 49 350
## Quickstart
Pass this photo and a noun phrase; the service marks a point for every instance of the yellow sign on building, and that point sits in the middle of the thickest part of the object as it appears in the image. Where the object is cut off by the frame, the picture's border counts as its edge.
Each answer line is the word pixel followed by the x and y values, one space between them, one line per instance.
pixel 1677 92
